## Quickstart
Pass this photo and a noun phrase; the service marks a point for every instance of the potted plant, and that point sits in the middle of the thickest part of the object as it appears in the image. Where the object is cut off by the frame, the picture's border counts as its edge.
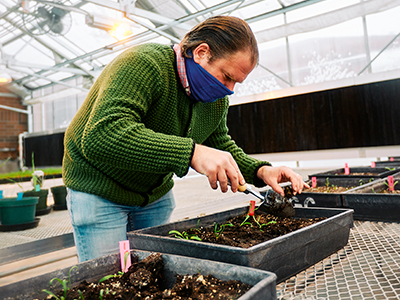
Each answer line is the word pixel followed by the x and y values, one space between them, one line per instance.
pixel 285 255
pixel 263 283
pixel 59 196
pixel 37 182
pixel 18 214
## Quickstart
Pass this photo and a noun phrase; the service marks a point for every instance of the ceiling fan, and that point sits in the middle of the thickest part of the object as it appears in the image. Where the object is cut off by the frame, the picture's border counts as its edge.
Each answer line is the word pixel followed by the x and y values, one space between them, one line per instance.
pixel 44 18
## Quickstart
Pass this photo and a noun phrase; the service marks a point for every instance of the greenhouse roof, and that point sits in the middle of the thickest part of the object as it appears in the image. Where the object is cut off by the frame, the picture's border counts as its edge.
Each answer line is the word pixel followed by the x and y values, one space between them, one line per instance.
pixel 53 43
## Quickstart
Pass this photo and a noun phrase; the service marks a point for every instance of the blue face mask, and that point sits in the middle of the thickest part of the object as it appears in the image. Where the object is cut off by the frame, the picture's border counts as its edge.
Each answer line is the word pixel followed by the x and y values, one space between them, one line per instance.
pixel 203 86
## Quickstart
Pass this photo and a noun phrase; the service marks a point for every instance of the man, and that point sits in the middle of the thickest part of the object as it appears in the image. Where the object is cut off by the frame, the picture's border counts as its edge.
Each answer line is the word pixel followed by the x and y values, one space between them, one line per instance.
pixel 155 111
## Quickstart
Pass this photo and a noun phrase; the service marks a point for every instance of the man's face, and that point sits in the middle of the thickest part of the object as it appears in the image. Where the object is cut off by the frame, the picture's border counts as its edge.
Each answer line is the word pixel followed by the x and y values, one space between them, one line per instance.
pixel 229 70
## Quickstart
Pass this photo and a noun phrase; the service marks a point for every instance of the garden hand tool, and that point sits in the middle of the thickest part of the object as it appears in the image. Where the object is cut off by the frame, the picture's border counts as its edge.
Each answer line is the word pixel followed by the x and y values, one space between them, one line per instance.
pixel 273 203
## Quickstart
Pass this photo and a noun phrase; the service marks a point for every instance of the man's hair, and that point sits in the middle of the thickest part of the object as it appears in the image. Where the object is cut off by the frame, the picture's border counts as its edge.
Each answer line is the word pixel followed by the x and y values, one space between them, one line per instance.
pixel 225 35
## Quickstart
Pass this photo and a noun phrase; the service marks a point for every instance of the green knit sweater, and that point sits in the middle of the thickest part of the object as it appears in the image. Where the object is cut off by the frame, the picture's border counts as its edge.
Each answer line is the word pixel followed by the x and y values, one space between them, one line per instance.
pixel 136 129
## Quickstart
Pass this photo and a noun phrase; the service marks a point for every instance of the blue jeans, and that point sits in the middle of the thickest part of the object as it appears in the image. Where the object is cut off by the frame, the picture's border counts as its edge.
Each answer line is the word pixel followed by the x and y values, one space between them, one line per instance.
pixel 100 224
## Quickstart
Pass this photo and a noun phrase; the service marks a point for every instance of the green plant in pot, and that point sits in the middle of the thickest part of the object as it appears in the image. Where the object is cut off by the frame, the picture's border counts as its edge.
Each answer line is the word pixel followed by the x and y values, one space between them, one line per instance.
pixel 37 182
pixel 16 211
pixel 59 196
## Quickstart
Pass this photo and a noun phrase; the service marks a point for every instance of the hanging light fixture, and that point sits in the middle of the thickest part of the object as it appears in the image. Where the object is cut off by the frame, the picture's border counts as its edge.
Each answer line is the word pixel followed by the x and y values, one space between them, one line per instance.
pixel 120 31
pixel 116 28
pixel 4 77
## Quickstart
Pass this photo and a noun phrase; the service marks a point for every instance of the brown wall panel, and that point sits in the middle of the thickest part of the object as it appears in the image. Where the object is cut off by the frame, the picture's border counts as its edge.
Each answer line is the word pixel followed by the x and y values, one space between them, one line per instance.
pixel 357 116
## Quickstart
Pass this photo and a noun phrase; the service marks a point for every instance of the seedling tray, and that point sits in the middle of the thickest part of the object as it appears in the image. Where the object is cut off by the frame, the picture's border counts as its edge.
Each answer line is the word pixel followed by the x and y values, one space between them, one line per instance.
pixel 264 283
pixel 369 204
pixel 285 256
pixel 337 176
pixel 334 200
pixel 387 163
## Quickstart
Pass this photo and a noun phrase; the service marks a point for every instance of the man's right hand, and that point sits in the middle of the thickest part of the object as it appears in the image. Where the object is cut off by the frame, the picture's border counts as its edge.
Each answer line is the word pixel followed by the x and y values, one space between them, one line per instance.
pixel 218 166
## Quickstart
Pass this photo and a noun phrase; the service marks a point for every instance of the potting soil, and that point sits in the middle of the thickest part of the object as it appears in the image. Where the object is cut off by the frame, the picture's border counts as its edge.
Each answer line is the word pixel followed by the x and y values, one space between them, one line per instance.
pixel 144 280
pixel 245 232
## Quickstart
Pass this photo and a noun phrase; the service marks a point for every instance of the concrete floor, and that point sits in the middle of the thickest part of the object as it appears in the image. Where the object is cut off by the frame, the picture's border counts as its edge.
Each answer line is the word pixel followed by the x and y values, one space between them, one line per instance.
pixel 194 198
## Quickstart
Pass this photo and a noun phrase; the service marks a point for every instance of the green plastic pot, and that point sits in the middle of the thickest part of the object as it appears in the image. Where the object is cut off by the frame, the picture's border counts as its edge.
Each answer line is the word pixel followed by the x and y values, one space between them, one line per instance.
pixel 15 211
pixel 59 196
pixel 42 194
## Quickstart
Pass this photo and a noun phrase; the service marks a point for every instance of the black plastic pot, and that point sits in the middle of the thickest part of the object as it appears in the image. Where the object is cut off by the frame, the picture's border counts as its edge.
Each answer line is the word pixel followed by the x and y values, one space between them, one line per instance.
pixel 41 207
pixel 18 214
pixel 285 256
pixel 337 177
pixel 264 283
pixel 369 204
pixel 59 196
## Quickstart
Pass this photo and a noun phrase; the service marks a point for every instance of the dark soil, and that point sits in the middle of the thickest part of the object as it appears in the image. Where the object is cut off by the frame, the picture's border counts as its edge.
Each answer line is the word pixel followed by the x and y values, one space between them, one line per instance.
pixel 238 233
pixel 389 192
pixel 327 189
pixel 144 281
pixel 358 174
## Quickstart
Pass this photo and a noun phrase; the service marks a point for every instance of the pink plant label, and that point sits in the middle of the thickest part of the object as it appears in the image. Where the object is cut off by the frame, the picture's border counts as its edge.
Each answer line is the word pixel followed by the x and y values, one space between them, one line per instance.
pixel 19 196
pixel 392 159
pixel 346 169
pixel 314 182
pixel 124 254
pixel 391 183
pixel 252 207
pixel 373 165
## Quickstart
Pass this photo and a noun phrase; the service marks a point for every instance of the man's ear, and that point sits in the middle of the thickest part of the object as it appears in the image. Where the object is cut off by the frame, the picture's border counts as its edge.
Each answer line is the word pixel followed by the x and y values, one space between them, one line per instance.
pixel 201 53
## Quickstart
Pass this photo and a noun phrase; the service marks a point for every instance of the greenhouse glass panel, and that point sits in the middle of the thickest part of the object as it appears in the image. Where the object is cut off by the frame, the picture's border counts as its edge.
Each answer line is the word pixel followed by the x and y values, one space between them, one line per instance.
pixel 64 111
pixel 272 72
pixel 327 54
pixel 382 31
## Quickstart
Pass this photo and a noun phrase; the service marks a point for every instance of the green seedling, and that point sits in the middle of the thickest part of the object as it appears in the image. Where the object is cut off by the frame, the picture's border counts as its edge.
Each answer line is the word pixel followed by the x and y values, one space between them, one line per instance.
pixel 327 182
pixel 390 169
pixel 101 293
pixel 218 232
pixel 184 235
pixel 394 183
pixel 16 182
pixel 119 274
pixel 245 221
pixel 5 162
pixel 261 225
pixel 65 283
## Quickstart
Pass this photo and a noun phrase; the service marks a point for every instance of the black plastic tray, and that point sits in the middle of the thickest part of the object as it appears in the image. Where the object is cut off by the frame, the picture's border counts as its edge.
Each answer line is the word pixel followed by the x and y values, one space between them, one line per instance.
pixel 369 204
pixel 19 227
pixel 334 200
pixel 285 256
pixel 264 283
pixel 387 163
pixel 336 177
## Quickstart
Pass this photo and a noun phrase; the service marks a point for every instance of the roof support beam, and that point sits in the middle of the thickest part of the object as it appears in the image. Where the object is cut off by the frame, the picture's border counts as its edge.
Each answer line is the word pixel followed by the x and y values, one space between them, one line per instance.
pixel 18 110
pixel 325 20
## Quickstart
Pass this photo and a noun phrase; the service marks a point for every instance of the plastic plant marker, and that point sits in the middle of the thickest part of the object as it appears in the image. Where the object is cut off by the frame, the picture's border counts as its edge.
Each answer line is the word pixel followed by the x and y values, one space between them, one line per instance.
pixel 1 194
pixel 124 252
pixel 20 195
pixel 391 183
pixel 373 164
pixel 252 207
pixel 314 182
pixel 346 169
pixel 392 159
pixel 37 188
